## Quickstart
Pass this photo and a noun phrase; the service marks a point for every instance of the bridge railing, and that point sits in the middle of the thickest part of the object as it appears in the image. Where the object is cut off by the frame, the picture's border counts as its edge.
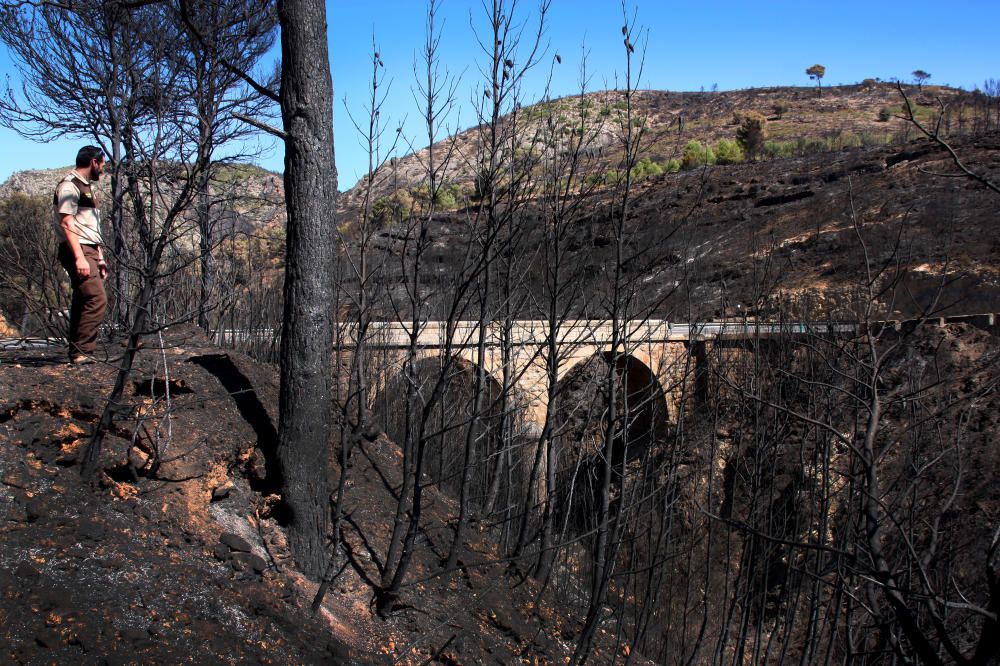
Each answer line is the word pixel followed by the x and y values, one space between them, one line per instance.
pixel 598 332
pixel 433 334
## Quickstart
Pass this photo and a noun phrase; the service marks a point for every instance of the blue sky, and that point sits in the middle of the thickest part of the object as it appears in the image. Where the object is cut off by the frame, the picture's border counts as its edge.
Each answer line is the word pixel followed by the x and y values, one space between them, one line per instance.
pixel 690 46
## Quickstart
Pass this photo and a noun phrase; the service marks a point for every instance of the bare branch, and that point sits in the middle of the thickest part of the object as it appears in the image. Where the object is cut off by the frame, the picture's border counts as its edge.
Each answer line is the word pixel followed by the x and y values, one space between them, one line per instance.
pixel 261 125
pixel 936 137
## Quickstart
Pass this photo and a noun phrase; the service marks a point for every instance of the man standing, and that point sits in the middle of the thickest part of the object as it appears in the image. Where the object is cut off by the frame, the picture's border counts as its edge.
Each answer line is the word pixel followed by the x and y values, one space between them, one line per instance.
pixel 77 218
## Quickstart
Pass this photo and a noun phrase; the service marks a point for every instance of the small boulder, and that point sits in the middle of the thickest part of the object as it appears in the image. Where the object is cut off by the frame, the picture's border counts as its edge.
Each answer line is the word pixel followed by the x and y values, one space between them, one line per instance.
pixel 222 491
pixel 250 561
pixel 235 542
pixel 257 466
pixel 137 457
pixel 16 479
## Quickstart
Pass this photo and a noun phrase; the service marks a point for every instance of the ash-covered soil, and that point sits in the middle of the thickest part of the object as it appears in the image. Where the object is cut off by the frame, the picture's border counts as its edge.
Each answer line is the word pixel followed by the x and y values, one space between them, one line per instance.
pixel 802 236
pixel 184 563
pixel 140 569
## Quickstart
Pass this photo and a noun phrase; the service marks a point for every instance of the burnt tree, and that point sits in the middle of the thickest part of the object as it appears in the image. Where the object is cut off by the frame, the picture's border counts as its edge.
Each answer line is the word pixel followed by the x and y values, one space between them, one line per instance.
pixel 307 333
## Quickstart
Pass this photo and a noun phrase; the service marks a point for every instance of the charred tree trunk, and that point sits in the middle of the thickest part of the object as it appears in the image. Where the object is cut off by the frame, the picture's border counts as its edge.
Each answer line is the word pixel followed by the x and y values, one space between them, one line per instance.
pixel 307 334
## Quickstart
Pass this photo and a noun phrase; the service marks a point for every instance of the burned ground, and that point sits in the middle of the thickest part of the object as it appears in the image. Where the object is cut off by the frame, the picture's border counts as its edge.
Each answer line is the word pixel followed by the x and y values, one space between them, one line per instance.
pixel 188 562
pixel 790 236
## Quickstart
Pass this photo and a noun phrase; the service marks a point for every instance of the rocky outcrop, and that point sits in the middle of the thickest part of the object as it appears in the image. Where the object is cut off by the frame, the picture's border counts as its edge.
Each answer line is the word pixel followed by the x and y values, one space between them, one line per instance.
pixel 33 182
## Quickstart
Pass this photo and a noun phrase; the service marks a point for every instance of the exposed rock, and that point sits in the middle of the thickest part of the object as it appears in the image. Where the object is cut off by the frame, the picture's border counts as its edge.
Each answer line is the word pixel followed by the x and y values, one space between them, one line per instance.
pixel 249 561
pixel 235 542
pixel 222 491
pixel 137 457
pixel 16 479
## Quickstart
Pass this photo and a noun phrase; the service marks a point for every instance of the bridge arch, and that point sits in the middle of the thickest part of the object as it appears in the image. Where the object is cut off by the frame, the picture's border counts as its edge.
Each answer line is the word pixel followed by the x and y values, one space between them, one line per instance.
pixel 580 414
pixel 643 401
pixel 446 420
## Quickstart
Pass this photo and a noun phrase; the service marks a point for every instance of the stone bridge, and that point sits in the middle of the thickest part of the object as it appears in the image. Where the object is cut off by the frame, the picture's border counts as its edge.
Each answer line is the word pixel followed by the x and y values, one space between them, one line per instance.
pixel 659 356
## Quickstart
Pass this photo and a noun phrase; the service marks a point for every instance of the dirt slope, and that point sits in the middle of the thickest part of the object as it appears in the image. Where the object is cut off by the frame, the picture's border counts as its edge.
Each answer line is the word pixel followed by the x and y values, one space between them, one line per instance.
pixel 185 564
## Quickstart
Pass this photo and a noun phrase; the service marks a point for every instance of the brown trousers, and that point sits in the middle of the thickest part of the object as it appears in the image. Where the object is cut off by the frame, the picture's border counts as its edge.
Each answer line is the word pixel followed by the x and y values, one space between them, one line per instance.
pixel 86 312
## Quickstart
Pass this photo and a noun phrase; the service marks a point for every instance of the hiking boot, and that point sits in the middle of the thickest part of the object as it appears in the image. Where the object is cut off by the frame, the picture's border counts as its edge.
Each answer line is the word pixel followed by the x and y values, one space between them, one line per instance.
pixel 80 359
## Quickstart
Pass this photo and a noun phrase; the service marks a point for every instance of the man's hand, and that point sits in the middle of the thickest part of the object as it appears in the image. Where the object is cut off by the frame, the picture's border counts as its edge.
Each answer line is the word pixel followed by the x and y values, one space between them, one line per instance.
pixel 102 266
pixel 82 267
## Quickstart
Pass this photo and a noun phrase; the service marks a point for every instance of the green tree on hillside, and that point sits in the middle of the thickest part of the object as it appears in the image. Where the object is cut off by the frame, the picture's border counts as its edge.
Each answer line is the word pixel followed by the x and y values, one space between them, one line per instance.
pixel 752 133
pixel 780 107
pixel 920 76
pixel 816 72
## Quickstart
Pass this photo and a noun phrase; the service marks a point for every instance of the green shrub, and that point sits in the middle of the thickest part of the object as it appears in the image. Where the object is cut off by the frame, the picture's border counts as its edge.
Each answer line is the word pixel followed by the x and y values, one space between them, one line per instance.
pixel 923 113
pixel 884 114
pixel 778 149
pixel 780 107
pixel 696 155
pixel 392 207
pixel 645 168
pixel 728 151
pixel 874 139
pixel 447 196
pixel 841 141
pixel 526 155
pixel 237 173
pixel 812 146
pixel 672 165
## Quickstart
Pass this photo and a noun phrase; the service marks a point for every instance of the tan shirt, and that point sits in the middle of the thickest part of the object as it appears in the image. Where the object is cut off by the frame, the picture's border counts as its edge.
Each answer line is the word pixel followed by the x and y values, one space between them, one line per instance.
pixel 88 219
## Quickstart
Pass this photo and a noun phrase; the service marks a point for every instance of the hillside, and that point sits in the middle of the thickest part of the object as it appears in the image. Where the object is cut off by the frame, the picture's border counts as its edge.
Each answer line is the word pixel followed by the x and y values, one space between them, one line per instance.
pixel 844 116
pixel 787 231
pixel 41 182
pixel 757 238
pixel 705 232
